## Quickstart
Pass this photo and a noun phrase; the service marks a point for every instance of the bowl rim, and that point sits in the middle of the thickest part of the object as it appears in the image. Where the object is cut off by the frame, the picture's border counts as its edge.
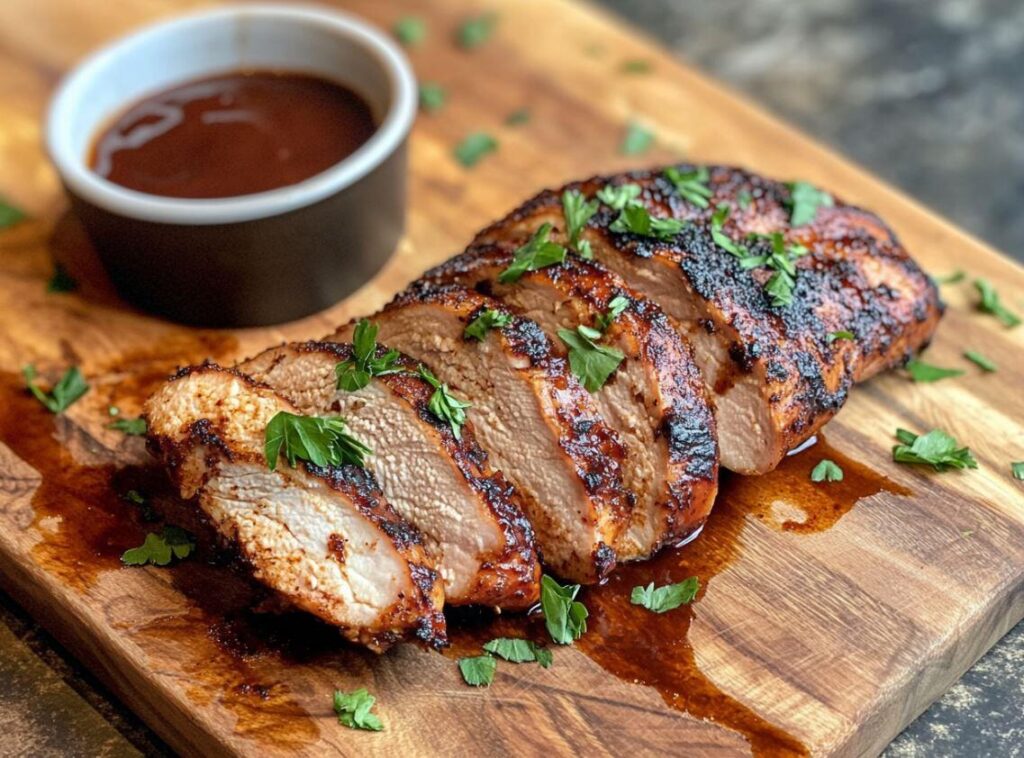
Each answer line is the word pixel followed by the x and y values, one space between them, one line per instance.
pixel 80 180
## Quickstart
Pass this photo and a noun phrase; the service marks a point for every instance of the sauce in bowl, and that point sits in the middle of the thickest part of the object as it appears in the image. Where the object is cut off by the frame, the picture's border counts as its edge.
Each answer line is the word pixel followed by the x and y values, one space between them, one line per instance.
pixel 230 135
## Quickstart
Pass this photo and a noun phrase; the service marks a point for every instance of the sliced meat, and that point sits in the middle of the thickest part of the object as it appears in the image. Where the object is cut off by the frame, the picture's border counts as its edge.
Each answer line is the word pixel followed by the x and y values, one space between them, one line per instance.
pixel 469 515
pixel 775 373
pixel 324 538
pixel 655 400
pixel 539 426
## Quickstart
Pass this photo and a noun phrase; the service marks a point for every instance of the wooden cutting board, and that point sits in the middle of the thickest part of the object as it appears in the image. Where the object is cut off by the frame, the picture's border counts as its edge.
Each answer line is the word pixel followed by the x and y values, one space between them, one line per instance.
pixel 822 627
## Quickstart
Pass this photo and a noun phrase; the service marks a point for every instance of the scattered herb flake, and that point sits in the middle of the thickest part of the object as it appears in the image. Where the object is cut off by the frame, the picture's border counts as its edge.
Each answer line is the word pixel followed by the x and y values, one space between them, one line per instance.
pixel 980 361
pixel 443 404
pixel 353 710
pixel 487 320
pixel 113 410
pixel 537 253
pixel 410 30
pixel 474 147
pixel 133 427
pixel 990 304
pixel 667 597
pixel 478 671
pixel 636 66
pixel 592 363
pixel 723 240
pixel 744 199
pixel 160 549
pixel 619 196
pixel 638 139
pixel 67 390
pixel 355 373
pixel 475 31
pixel 322 441
pixel 1017 469
pixel 925 372
pixel 936 449
pixel 842 334
pixel 519 651
pixel 616 306
pixel 9 215
pixel 826 471
pixel 61 281
pixel 564 616
pixel 956 276
pixel 578 211
pixel 692 185
pixel 635 219
pixel 782 261
pixel 518 117
pixel 432 96
pixel 804 201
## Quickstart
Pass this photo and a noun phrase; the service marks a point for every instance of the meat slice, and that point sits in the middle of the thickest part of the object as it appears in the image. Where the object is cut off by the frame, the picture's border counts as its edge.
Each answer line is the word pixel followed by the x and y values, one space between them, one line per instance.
pixel 539 426
pixel 777 371
pixel 655 400
pixel 470 516
pixel 324 538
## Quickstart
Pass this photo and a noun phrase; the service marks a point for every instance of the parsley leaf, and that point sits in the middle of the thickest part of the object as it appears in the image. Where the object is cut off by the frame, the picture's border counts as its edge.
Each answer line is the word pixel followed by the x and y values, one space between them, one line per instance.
pixel 590 362
pixel 353 709
pixel 635 219
pixel 744 199
pixel 842 334
pixel 980 361
pixel 578 211
pixel 66 391
pixel 475 31
pixel 936 448
pixel 133 427
pixel 537 253
pixel 1017 469
pixel 635 66
pixel 722 239
pixel 517 117
pixel 925 372
pixel 781 260
pixel 478 671
pixel 145 509
pixel 474 147
pixel 355 373
pixel 638 139
pixel 487 320
pixel 519 651
pixel 432 96
pixel 619 196
pixel 564 617
pixel 990 304
pixel 9 215
pixel 826 471
pixel 443 404
pixel 667 597
pixel 322 441
pixel 61 281
pixel 410 31
pixel 804 201
pixel 160 549
pixel 616 306
pixel 692 185
pixel 956 276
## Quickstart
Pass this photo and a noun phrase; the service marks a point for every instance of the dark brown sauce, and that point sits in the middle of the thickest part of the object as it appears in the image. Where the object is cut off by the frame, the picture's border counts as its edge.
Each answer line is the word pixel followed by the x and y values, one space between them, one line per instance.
pixel 233 135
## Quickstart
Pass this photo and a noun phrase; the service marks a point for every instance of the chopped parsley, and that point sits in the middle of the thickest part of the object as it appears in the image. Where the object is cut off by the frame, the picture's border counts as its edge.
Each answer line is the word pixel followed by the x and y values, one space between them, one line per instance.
pixel 804 201
pixel 826 471
pixel 322 441
pixel 667 597
pixel 518 117
pixel 410 31
pixel 475 31
pixel 519 651
pixel 635 66
pixel 925 372
pixel 638 139
pixel 692 185
pixel 956 276
pixel 160 549
pixel 537 253
pixel 432 96
pixel 590 362
pixel 443 404
pixel 355 373
pixel 67 390
pixel 723 240
pixel 478 671
pixel 990 304
pixel 474 147
pixel 936 449
pixel 782 262
pixel 133 427
pixel 842 334
pixel 353 710
pixel 980 361
pixel 1017 469
pixel 564 616
pixel 487 320
pixel 9 215
pixel 619 196
pixel 616 306
pixel 635 219
pixel 744 199
pixel 578 211
pixel 145 509
pixel 61 281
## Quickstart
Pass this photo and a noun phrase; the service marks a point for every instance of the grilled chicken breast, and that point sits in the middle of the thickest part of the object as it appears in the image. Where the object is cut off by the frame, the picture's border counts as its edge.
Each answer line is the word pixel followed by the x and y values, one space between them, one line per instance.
pixel 655 400
pixel 469 515
pixel 540 427
pixel 324 538
pixel 777 372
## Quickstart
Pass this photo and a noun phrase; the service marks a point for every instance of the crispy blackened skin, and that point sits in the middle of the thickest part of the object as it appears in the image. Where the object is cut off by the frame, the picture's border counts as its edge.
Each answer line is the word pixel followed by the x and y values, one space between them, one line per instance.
pixel 510 578
pixel 674 397
pixel 409 617
pixel 857 278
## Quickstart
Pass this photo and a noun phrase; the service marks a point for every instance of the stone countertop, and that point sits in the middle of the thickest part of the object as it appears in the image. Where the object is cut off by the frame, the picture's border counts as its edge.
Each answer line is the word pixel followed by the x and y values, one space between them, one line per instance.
pixel 928 94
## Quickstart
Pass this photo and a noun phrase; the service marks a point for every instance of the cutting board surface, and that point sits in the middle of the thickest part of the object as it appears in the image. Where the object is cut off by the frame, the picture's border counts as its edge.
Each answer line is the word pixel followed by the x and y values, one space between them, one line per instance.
pixel 831 615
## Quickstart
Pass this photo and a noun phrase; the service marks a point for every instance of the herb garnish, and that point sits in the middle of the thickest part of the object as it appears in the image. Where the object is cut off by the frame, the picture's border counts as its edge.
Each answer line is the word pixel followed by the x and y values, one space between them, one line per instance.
pixel 638 139
pixel 160 549
pixel 474 147
pixel 353 709
pixel 990 304
pixel 9 215
pixel 133 427
pixel 635 66
pixel 564 616
pixel 636 219
pixel 956 276
pixel 781 261
pixel 925 372
pixel 478 671
pixel 692 185
pixel 475 31
pixel 67 390
pixel 667 597
pixel 410 31
pixel 519 651
pixel 323 441
pixel 432 96
pixel 1017 469
pixel 804 201
pixel 723 240
pixel 443 404
pixel 980 361
pixel 842 334
pixel 590 362
pixel 487 320
pixel 355 373
pixel 517 117
pixel 936 449
pixel 616 306
pixel 578 211
pixel 826 471
pixel 619 196
pixel 145 509
pixel 61 281
pixel 537 253
pixel 744 199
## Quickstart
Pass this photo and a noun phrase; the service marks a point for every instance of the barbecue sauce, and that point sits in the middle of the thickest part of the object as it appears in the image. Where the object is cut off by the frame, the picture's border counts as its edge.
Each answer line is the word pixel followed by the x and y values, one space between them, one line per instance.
pixel 232 135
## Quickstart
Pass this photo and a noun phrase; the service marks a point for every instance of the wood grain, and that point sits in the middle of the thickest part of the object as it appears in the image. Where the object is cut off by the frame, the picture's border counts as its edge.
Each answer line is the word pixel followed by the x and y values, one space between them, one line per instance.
pixel 840 638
